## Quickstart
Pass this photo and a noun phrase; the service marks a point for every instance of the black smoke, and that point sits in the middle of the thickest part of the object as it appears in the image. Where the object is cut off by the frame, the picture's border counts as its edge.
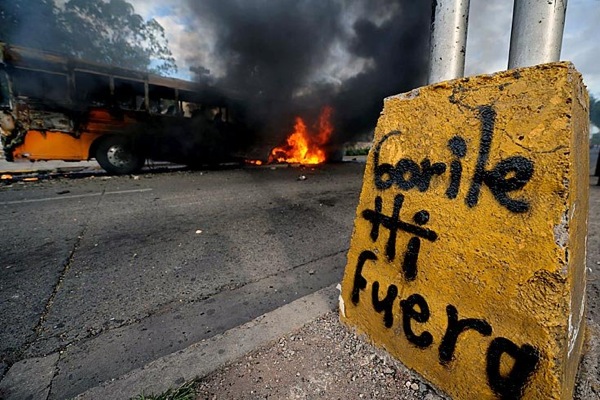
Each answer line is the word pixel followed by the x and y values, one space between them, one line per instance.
pixel 31 23
pixel 275 53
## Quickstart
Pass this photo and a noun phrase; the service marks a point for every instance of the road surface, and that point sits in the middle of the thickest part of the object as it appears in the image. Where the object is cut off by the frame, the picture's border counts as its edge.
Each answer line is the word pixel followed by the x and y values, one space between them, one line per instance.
pixel 109 273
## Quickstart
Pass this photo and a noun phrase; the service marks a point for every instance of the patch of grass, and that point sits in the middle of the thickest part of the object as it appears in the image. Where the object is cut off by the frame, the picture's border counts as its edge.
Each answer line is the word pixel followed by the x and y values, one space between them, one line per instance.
pixel 358 152
pixel 187 391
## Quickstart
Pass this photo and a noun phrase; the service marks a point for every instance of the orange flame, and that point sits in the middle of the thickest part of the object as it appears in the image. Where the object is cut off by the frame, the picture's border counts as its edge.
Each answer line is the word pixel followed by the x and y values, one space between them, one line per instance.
pixel 303 146
pixel 254 162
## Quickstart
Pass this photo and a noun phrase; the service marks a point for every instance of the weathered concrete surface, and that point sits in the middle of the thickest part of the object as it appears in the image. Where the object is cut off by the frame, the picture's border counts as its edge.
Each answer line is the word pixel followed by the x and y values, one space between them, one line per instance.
pixel 31 268
pixel 29 379
pixel 468 255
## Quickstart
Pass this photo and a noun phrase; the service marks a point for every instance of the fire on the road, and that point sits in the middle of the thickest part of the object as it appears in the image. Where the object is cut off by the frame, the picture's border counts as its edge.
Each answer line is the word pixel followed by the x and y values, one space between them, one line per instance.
pixel 304 145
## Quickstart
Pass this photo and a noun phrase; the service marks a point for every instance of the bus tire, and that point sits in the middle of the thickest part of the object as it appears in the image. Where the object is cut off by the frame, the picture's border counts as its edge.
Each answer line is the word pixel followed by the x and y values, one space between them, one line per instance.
pixel 116 155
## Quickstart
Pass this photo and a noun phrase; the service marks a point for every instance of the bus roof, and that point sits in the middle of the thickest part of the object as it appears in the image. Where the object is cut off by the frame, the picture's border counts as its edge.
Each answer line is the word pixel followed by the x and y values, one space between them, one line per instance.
pixel 24 57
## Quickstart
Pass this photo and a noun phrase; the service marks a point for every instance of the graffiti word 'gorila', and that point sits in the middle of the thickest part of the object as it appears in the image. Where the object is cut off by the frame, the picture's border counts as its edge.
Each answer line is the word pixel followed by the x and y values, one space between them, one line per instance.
pixel 506 176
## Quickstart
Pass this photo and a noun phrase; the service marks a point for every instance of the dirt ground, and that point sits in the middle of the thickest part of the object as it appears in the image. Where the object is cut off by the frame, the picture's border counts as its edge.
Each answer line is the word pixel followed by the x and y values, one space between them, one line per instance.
pixel 588 385
pixel 325 360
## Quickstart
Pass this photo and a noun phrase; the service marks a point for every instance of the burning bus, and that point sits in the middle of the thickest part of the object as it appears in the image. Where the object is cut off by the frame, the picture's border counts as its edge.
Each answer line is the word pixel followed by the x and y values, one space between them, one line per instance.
pixel 57 108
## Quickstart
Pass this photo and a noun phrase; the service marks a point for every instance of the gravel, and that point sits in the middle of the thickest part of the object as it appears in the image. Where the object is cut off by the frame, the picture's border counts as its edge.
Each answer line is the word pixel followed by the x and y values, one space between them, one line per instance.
pixel 323 360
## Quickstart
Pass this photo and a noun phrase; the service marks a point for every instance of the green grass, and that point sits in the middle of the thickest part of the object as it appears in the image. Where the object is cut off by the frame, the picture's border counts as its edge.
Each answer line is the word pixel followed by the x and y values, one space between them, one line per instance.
pixel 357 152
pixel 186 391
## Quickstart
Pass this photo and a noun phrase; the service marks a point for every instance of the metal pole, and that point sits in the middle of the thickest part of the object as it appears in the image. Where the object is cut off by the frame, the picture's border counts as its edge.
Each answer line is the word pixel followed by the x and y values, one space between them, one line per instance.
pixel 448 40
pixel 537 31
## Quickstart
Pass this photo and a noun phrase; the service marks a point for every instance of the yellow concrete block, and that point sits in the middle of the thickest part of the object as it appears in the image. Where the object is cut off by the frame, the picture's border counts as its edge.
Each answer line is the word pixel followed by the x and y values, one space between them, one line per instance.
pixel 467 260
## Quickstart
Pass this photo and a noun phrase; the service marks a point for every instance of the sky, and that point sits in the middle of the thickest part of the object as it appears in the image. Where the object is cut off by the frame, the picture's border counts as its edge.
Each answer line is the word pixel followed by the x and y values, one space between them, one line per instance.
pixel 292 57
pixel 192 39
pixel 489 37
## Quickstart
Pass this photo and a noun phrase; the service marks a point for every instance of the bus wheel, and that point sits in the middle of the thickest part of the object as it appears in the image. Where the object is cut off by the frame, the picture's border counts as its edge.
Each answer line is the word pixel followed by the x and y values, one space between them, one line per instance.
pixel 116 155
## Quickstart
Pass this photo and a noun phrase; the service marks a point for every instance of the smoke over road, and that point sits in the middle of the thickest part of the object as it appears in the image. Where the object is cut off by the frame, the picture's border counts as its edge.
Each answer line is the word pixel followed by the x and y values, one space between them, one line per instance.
pixel 291 57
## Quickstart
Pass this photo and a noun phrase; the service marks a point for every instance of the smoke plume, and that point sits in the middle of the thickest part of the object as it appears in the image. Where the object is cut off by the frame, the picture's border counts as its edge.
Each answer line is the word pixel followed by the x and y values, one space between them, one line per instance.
pixel 292 57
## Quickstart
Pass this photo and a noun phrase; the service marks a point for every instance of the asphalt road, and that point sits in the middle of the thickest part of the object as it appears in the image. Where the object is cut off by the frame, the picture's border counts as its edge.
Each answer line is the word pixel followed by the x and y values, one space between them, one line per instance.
pixel 110 273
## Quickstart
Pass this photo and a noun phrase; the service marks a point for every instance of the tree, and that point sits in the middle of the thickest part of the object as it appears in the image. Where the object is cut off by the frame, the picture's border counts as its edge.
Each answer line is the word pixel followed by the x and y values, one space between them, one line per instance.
pixel 104 31
pixel 111 32
pixel 595 111
pixel 201 74
pixel 31 23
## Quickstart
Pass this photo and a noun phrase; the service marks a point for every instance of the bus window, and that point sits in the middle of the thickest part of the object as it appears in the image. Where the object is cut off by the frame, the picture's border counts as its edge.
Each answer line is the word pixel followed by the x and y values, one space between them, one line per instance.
pixel 129 94
pixel 162 100
pixel 190 104
pixel 189 109
pixel 40 85
pixel 92 89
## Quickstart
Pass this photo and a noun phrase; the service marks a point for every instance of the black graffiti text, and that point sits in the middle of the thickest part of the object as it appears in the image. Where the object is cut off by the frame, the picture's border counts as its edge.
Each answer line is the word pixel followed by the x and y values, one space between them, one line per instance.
pixel 394 224
pixel 508 175
pixel 415 313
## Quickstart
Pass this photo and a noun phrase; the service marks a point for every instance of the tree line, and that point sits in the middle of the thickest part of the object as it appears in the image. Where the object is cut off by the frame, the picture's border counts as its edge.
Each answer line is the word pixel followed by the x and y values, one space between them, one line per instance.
pixel 595 117
pixel 103 31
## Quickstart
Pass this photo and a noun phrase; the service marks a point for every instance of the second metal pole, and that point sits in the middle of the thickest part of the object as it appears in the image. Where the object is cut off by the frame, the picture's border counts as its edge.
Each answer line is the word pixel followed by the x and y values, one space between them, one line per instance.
pixel 537 31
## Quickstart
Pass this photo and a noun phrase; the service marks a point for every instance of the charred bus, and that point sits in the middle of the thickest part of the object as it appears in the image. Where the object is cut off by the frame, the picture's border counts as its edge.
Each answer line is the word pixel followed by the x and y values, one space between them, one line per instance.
pixel 57 108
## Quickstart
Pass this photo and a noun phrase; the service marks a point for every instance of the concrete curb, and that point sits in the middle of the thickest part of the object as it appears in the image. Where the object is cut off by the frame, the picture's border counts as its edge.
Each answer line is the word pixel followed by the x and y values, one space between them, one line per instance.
pixel 206 356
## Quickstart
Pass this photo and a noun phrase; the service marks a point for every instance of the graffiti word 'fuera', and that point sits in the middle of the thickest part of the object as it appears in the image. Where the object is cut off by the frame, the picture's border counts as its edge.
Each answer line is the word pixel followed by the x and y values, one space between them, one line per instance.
pixel 415 310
